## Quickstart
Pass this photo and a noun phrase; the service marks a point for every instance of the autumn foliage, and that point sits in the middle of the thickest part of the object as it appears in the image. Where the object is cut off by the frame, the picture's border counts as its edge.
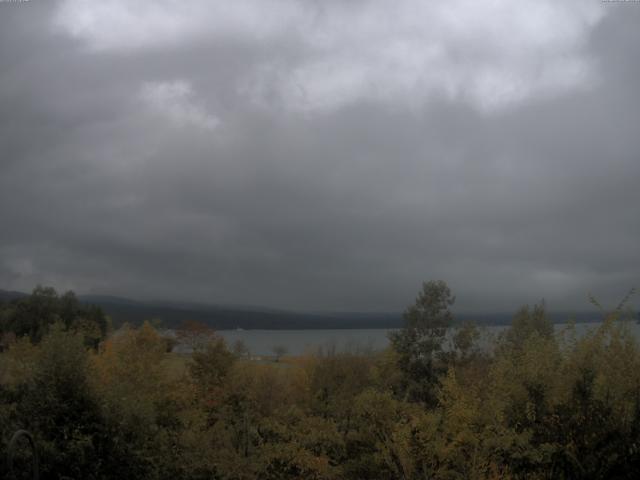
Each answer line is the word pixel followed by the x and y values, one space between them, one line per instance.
pixel 534 403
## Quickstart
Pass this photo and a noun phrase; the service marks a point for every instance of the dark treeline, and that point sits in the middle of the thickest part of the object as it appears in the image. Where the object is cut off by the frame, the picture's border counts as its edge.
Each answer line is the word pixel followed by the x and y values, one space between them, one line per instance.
pixel 172 315
pixel 537 405
pixel 33 315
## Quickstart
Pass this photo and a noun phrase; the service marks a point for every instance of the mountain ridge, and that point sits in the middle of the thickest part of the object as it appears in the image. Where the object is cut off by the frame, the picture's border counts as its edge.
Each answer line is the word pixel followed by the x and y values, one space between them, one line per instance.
pixel 171 314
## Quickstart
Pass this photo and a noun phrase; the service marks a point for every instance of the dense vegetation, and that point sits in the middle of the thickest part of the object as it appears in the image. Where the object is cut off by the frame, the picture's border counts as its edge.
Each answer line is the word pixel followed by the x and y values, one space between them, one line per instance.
pixel 433 405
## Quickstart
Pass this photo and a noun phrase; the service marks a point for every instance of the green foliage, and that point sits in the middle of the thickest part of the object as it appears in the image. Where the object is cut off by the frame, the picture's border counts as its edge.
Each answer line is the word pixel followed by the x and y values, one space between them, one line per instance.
pixel 465 346
pixel 526 323
pixel 60 408
pixel 419 343
pixel 335 380
pixel 210 365
pixel 34 315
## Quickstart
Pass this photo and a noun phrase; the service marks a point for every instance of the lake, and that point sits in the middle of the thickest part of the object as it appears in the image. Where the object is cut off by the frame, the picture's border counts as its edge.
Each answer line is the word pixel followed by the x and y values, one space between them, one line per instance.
pixel 297 342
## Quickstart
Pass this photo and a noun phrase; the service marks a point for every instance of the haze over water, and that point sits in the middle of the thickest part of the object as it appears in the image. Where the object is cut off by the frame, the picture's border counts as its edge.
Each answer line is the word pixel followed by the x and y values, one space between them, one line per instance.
pixel 298 342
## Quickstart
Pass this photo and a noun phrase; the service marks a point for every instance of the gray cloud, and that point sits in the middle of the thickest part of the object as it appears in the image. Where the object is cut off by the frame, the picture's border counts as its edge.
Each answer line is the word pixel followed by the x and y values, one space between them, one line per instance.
pixel 274 153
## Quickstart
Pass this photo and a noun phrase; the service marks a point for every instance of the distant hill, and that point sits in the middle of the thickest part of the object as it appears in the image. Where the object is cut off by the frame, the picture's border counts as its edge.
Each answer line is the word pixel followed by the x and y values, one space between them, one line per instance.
pixel 223 317
pixel 7 295
pixel 172 314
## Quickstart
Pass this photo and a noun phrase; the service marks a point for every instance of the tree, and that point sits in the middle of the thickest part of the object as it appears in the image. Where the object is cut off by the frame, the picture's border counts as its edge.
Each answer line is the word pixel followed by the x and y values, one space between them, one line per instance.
pixel 465 341
pixel 62 411
pixel 526 323
pixel 130 378
pixel 196 335
pixel 279 351
pixel 240 348
pixel 419 343
pixel 33 315
pixel 210 365
pixel 334 380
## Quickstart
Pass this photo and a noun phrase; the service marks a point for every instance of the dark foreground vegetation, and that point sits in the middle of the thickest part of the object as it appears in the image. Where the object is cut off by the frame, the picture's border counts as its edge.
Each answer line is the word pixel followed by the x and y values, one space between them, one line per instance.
pixel 538 405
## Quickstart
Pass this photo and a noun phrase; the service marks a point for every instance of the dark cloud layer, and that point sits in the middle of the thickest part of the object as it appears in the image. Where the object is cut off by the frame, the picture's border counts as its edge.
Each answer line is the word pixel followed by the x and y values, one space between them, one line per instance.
pixel 193 168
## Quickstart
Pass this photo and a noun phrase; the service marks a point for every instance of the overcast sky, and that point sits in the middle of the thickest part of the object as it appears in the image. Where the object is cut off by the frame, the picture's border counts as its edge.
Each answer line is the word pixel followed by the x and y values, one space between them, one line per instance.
pixel 321 154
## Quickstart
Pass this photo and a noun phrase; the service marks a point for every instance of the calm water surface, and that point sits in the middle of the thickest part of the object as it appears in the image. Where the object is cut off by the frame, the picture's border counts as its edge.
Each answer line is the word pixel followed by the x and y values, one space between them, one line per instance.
pixel 297 342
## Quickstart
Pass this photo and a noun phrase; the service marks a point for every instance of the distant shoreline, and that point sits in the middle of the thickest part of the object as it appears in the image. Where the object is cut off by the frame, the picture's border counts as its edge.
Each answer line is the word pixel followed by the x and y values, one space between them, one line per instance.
pixel 168 314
